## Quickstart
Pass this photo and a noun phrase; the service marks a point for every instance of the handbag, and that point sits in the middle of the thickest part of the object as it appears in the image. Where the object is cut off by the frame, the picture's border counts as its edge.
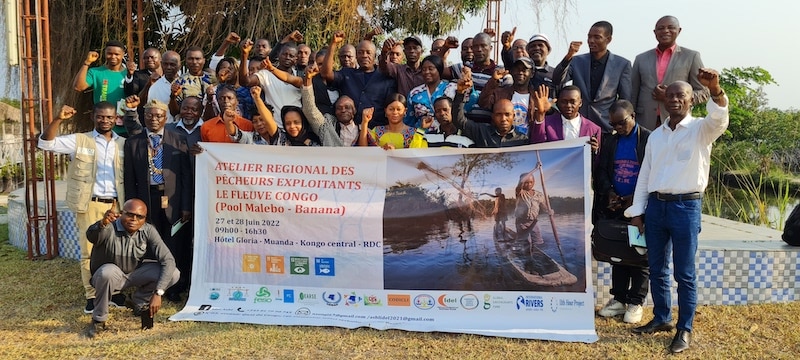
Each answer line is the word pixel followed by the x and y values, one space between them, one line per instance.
pixel 610 244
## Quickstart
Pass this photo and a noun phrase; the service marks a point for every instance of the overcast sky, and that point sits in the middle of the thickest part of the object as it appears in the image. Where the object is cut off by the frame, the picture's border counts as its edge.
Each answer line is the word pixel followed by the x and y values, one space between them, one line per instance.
pixel 726 33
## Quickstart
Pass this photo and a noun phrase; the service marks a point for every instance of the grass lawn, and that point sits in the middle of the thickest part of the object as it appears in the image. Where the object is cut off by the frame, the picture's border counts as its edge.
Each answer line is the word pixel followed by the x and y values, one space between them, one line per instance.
pixel 41 306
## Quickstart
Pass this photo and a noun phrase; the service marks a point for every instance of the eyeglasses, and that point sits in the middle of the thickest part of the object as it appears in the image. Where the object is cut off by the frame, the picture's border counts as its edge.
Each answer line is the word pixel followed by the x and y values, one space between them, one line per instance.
pixel 134 215
pixel 619 123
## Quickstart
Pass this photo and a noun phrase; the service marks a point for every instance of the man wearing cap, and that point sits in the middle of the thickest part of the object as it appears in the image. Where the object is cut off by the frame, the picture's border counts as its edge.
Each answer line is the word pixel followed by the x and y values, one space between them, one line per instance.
pixel 519 93
pixel 603 77
pixel 408 75
pixel 158 171
pixel 538 48
pixel 656 68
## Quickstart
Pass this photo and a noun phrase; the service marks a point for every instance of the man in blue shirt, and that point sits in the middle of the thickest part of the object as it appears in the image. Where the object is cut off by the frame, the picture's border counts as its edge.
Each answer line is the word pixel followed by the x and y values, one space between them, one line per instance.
pixel 367 87
pixel 614 182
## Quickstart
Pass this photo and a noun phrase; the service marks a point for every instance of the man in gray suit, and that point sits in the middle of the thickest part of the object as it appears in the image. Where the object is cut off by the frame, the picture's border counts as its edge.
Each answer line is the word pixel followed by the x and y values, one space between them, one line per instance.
pixel 654 69
pixel 603 77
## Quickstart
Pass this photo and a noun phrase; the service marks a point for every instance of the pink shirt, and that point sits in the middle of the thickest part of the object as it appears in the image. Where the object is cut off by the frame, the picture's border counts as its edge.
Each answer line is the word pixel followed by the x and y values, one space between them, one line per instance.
pixel 662 61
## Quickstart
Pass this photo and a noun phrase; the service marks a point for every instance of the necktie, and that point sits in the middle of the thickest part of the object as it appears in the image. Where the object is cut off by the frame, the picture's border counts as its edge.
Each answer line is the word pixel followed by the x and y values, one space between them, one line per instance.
pixel 156 162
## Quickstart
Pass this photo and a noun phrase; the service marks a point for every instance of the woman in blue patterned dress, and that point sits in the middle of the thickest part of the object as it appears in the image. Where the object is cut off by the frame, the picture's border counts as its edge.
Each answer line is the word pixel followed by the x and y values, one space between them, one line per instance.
pixel 421 98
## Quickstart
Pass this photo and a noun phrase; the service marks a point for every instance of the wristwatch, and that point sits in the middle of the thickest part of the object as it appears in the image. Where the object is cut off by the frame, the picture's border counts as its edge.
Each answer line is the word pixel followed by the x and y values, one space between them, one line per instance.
pixel 160 292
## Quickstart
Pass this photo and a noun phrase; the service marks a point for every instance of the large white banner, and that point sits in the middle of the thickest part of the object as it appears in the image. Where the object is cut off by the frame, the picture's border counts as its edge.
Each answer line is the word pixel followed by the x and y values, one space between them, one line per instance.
pixel 452 240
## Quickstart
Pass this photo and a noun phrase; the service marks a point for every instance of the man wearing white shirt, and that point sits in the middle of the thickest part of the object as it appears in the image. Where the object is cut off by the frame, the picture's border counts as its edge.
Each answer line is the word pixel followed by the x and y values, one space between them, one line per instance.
pixel 94 180
pixel 277 92
pixel 669 193
pixel 160 87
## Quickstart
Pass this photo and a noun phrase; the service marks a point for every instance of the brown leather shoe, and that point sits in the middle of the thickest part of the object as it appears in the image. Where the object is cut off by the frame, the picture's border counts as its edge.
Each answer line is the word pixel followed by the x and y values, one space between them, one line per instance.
pixel 652 327
pixel 680 342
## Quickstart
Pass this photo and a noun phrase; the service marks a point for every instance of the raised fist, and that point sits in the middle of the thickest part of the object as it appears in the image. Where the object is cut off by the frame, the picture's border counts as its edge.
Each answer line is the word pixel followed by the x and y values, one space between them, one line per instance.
pixel 366 116
pixel 507 38
pixel 247 45
pixel 255 91
pixel 132 102
pixel 132 66
pixel 427 121
pixel 337 38
pixel 295 36
pixel 66 112
pixel 176 89
pixel 232 38
pixel 499 73
pixel 91 57
pixel 451 42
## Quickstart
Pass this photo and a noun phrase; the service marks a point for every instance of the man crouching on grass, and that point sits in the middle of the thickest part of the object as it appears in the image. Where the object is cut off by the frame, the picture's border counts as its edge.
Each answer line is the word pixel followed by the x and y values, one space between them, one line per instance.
pixel 127 253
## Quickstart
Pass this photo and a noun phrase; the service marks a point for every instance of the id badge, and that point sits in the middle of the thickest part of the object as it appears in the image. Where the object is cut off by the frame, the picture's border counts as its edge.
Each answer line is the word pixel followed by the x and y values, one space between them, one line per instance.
pixel 164 201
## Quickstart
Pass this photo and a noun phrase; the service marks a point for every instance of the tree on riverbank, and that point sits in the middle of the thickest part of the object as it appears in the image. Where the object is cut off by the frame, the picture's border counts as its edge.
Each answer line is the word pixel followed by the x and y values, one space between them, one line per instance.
pixel 754 166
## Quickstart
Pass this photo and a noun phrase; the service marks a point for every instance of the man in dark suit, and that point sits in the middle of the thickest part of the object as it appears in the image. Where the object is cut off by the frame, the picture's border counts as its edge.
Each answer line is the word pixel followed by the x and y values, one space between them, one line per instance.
pixel 603 77
pixel 654 69
pixel 158 171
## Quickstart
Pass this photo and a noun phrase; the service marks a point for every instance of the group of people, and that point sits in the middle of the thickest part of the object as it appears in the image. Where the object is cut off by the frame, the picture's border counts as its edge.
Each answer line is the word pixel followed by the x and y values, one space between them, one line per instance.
pixel 291 95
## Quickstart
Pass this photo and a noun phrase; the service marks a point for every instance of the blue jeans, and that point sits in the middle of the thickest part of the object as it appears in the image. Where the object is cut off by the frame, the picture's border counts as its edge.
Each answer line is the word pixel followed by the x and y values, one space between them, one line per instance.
pixel 673 226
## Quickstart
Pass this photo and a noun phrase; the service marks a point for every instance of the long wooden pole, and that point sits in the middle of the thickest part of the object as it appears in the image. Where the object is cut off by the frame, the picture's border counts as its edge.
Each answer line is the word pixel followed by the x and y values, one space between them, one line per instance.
pixel 550 213
pixel 129 25
pixel 140 27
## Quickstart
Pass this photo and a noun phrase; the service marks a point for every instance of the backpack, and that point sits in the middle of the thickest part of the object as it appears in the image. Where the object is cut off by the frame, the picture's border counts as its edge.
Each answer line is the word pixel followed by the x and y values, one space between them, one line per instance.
pixel 791 230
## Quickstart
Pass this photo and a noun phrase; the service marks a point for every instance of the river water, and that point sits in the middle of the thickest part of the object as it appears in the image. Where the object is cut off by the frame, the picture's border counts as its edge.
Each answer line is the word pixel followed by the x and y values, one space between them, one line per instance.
pixel 461 255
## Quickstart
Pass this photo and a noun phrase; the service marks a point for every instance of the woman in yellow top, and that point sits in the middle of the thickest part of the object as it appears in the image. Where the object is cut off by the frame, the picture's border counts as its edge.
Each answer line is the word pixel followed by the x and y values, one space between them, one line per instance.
pixel 395 135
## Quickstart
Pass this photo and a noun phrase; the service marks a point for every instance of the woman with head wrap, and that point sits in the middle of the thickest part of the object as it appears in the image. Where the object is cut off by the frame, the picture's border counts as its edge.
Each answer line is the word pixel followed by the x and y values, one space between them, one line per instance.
pixel 421 98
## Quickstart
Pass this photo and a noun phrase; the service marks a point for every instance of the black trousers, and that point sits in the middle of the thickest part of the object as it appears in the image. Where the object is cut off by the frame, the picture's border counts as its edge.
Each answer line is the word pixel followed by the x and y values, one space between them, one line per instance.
pixel 179 245
pixel 629 284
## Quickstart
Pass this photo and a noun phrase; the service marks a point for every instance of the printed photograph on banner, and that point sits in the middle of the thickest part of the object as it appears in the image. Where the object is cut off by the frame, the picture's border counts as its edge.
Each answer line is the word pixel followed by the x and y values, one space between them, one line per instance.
pixel 492 221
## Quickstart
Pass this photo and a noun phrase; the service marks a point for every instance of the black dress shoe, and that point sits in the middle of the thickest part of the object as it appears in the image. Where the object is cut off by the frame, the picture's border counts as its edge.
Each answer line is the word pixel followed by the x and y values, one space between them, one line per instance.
pixel 680 342
pixel 93 328
pixel 652 327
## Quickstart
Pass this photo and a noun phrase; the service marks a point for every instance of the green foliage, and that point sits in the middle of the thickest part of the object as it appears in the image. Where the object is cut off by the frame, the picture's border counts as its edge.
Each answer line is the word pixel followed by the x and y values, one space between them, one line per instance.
pixel 13 102
pixel 744 87
pixel 417 16
pixel 745 182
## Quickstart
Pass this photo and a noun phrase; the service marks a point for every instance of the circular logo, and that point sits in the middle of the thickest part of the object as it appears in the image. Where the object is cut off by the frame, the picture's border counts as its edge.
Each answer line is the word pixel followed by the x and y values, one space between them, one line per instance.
pixel 424 302
pixel 332 298
pixel 214 295
pixel 469 301
pixel 238 294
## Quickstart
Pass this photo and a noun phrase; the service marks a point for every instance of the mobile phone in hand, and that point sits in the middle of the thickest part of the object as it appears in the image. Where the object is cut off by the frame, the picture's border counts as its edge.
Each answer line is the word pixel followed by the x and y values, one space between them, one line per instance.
pixel 147 321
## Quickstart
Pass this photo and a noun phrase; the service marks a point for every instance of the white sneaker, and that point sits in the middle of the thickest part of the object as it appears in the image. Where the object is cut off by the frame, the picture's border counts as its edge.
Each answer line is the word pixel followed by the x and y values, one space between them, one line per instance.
pixel 633 314
pixel 612 308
